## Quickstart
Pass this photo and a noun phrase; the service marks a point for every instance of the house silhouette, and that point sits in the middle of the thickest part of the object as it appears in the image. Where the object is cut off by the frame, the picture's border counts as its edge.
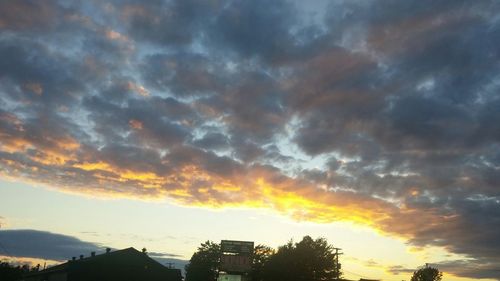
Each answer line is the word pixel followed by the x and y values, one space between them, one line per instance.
pixel 123 265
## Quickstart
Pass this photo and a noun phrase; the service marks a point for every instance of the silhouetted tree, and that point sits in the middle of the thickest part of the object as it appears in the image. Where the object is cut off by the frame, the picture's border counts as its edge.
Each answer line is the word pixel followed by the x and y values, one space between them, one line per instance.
pixel 204 262
pixel 11 273
pixel 427 274
pixel 261 255
pixel 307 260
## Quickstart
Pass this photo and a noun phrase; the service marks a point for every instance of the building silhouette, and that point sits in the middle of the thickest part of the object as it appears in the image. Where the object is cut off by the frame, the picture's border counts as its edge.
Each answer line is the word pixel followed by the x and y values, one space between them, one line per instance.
pixel 122 265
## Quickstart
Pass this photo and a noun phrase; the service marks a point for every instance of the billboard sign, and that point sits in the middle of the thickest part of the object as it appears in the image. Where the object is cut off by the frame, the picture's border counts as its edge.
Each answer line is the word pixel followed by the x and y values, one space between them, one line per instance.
pixel 235 263
pixel 236 256
pixel 237 247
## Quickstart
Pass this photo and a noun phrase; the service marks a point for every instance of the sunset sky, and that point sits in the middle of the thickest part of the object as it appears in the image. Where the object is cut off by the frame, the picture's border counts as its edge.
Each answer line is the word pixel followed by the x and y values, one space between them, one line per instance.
pixel 163 124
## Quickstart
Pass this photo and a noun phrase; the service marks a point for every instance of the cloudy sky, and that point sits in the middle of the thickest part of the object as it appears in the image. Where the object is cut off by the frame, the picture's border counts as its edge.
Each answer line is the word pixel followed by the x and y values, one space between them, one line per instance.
pixel 374 124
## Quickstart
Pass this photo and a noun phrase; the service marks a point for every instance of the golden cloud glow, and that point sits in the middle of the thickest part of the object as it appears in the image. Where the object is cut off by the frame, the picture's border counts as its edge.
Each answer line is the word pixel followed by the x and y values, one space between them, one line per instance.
pixel 12 145
pixel 146 179
pixel 61 151
pixel 192 185
pixel 51 158
pixel 49 150
pixel 32 262
pixel 68 144
pixel 93 166
pixel 322 206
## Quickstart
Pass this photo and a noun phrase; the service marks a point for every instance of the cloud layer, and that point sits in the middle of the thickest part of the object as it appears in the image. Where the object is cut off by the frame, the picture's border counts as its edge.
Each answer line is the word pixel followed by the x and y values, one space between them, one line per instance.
pixel 384 113
pixel 28 243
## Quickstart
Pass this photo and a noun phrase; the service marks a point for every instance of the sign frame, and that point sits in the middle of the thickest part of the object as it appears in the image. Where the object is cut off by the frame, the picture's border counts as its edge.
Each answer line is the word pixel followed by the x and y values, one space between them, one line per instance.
pixel 236 256
pixel 237 247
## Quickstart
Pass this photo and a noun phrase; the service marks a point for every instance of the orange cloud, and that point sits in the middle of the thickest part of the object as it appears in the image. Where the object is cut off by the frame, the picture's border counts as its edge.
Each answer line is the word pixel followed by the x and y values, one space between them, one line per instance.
pixel 31 262
pixel 138 89
pixel 114 35
pixel 61 151
pixel 12 145
pixel 191 183
pixel 144 179
pixel 255 187
pixel 135 124
pixel 48 150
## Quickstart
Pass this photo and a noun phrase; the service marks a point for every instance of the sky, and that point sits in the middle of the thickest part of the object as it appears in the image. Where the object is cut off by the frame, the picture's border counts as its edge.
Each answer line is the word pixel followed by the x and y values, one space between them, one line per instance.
pixel 163 124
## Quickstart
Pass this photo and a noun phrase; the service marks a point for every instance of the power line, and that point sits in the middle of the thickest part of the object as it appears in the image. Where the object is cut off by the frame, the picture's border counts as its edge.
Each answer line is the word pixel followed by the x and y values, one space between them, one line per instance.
pixel 359 275
pixel 362 276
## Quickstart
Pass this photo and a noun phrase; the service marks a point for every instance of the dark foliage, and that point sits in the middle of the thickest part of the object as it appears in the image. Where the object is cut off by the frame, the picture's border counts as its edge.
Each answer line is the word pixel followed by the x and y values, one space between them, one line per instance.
pixel 9 272
pixel 261 256
pixel 427 274
pixel 307 260
pixel 203 263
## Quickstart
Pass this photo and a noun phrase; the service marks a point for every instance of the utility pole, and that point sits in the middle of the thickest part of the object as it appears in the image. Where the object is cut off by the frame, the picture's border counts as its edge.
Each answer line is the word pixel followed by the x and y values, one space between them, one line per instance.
pixel 336 262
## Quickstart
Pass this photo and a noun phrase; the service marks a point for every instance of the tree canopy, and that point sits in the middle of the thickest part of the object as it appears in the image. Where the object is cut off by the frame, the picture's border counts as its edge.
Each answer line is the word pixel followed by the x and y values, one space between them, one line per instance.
pixel 204 262
pixel 261 256
pixel 427 274
pixel 307 260
pixel 10 272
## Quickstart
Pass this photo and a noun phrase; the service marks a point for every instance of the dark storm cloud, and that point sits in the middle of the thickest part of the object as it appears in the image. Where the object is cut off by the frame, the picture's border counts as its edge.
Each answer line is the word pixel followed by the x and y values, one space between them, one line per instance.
pixel 256 28
pixel 466 268
pixel 184 74
pixel 33 74
pixel 254 108
pixel 212 141
pixel 474 212
pixel 168 22
pixel 140 119
pixel 194 100
pixel 471 268
pixel 44 245
pixel 416 123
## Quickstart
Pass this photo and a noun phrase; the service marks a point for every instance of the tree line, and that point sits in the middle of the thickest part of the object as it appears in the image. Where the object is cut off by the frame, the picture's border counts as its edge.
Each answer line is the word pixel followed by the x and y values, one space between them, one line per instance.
pixel 10 272
pixel 307 260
